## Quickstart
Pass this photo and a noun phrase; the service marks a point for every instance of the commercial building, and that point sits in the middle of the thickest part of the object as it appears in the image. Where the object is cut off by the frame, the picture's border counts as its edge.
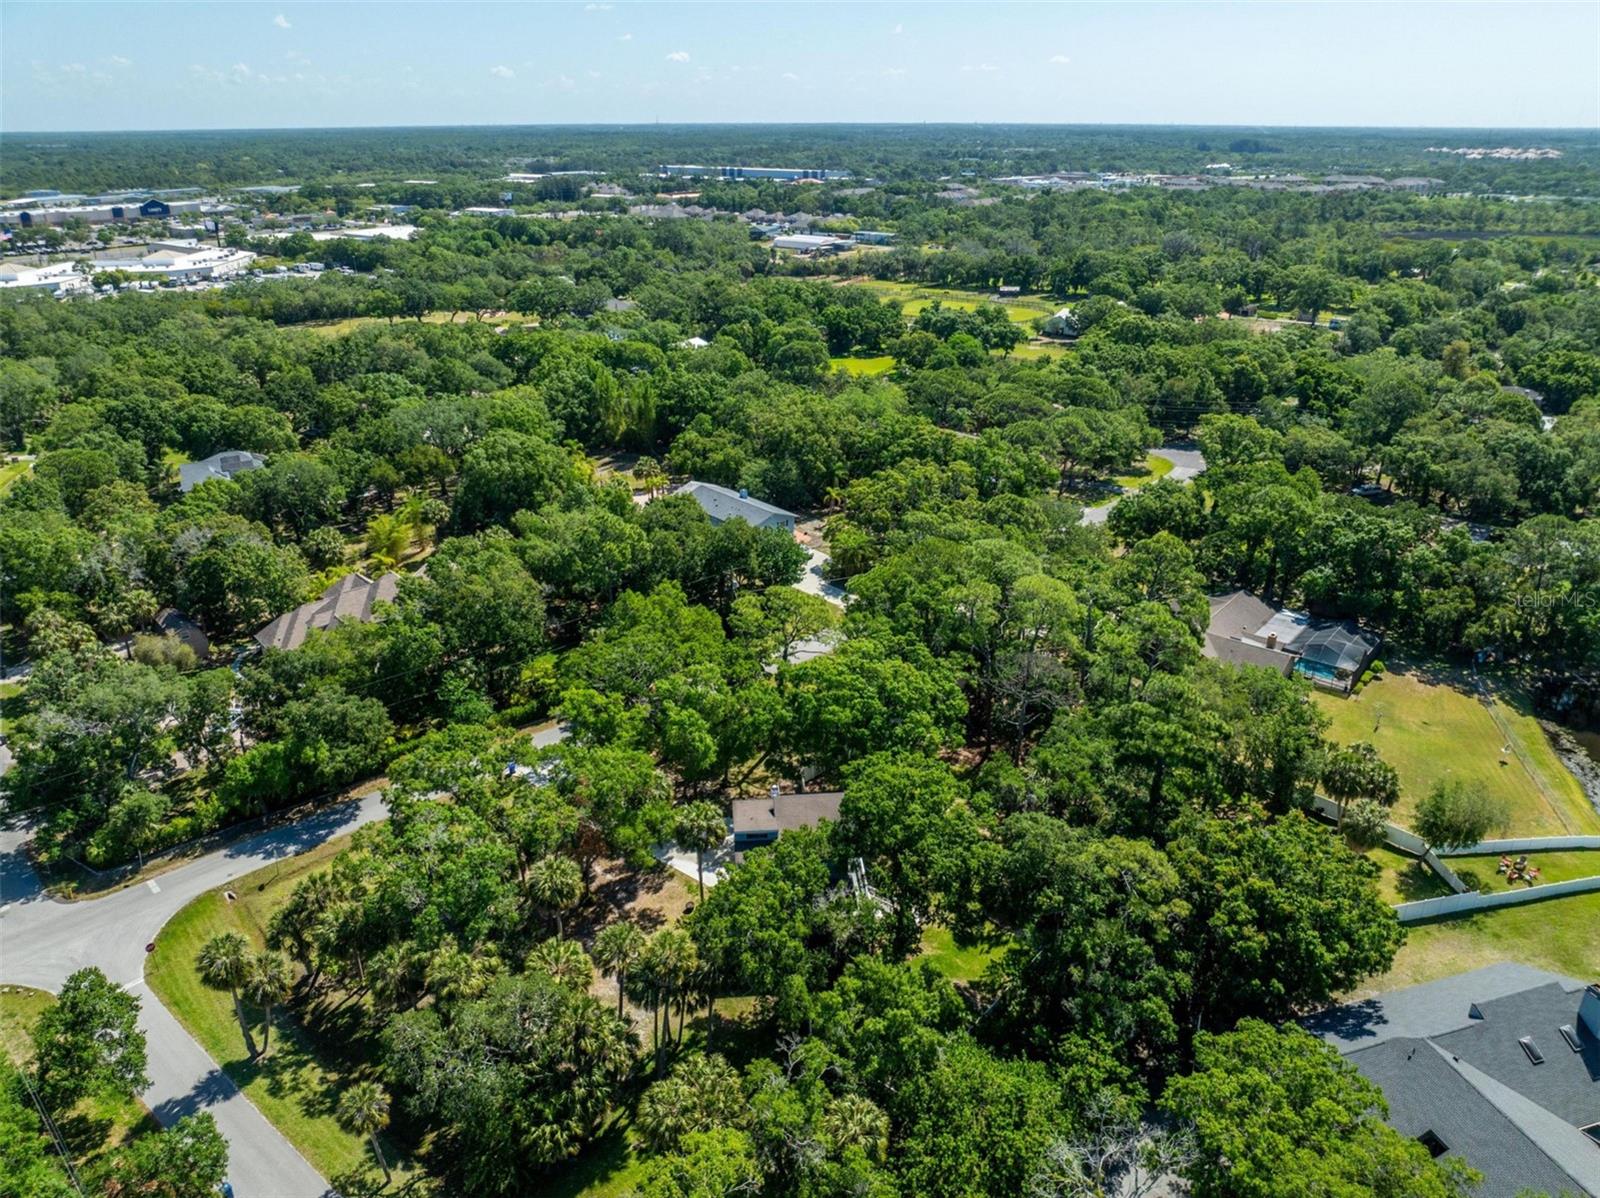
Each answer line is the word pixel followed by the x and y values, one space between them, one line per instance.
pixel 56 278
pixel 722 504
pixel 811 243
pixel 872 237
pixel 352 599
pixel 1499 1066
pixel 182 260
pixel 38 216
pixel 783 174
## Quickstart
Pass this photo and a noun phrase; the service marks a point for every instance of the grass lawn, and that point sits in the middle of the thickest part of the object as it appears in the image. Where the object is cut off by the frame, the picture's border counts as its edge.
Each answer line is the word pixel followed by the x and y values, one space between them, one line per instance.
pixel 864 367
pixel 914 298
pixel 1482 872
pixel 1429 724
pixel 293 1085
pixel 98 1125
pixel 956 963
pixel 12 704
pixel 11 472
pixel 337 328
pixel 1029 353
pixel 1558 934
pixel 1153 467
pixel 1403 879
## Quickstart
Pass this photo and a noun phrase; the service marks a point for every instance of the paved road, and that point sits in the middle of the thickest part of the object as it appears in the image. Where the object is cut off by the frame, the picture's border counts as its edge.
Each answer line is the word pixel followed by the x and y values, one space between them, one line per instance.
pixel 42 941
pixel 1187 461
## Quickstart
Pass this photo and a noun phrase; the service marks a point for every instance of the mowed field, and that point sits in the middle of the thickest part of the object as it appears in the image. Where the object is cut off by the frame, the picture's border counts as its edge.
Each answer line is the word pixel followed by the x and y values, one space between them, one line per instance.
pixel 1430 725
pixel 1558 934
pixel 914 298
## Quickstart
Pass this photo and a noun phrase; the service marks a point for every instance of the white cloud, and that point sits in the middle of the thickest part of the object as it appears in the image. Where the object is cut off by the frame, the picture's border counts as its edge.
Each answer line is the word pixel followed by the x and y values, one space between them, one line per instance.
pixel 281 21
pixel 791 77
pixel 898 29
pixel 117 60
pixel 1060 58
pixel 502 72
pixel 73 68
pixel 894 73
pixel 626 37
pixel 982 66
pixel 678 56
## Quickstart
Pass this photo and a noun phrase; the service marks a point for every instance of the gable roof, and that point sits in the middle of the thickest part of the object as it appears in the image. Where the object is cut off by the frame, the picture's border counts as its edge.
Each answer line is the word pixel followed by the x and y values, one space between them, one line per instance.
pixel 1448 1058
pixel 721 503
pixel 351 598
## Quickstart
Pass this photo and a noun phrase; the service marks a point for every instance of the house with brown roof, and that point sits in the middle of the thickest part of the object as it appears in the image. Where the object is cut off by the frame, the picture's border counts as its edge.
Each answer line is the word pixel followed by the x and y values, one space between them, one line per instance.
pixel 351 598
pixel 757 822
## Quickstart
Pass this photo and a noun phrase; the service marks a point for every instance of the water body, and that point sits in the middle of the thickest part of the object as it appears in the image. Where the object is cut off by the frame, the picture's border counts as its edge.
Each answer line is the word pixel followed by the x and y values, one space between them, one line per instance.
pixel 1579 751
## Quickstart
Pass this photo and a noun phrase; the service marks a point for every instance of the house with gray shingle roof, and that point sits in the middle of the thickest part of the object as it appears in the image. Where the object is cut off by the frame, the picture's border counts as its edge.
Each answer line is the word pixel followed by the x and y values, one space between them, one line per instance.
pixel 1499 1066
pixel 222 465
pixel 351 598
pixel 722 504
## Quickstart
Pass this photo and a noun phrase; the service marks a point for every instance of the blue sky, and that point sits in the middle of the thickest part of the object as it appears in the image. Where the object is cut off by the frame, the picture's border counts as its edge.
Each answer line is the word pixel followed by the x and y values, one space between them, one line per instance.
pixel 78 66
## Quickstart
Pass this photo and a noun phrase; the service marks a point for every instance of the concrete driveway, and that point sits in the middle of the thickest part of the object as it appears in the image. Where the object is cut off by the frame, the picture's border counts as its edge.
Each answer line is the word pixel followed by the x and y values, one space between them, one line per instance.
pixel 1187 462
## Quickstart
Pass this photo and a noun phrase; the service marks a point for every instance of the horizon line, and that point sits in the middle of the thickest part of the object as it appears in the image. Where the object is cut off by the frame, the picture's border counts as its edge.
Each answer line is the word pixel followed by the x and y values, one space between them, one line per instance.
pixel 1593 131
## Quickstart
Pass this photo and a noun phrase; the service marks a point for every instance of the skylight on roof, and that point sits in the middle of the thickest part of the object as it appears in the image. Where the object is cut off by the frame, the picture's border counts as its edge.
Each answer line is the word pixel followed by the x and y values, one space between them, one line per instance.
pixel 1532 1049
pixel 1570 1035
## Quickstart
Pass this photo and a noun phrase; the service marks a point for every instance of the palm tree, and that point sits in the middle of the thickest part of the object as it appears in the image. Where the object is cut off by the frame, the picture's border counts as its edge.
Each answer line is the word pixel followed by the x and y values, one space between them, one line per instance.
pixel 616 951
pixel 267 981
pixel 669 961
pixel 364 1111
pixel 701 827
pixel 565 961
pixel 224 963
pixel 555 884
pixel 852 1121
pixel 453 974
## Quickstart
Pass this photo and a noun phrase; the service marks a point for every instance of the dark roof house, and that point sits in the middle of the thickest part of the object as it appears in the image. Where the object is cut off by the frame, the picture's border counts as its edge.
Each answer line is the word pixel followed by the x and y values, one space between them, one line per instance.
pixel 1500 1066
pixel 722 504
pixel 175 623
pixel 1245 630
pixel 351 598
pixel 761 821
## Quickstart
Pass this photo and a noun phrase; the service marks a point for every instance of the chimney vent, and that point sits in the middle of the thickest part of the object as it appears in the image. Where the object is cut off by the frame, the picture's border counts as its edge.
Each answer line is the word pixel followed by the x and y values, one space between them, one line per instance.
pixel 1272 640
pixel 1589 1009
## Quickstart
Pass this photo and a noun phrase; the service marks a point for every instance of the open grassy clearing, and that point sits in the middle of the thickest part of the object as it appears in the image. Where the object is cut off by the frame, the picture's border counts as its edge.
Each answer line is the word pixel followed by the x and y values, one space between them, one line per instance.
pixel 1153 466
pixel 11 472
pixel 1429 724
pixel 956 963
pixel 1403 879
pixel 97 1126
pixel 1036 352
pixel 297 1084
pixel 336 328
pixel 914 298
pixel 864 367
pixel 1482 872
pixel 1557 934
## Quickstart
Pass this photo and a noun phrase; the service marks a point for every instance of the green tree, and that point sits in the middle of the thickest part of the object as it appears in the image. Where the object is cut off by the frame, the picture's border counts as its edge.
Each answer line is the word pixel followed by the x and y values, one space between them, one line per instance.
pixel 267 981
pixel 363 1110
pixel 89 1042
pixel 187 1160
pixel 1278 1114
pixel 617 949
pixel 702 827
pixel 1357 772
pixel 555 884
pixel 224 964
pixel 1457 814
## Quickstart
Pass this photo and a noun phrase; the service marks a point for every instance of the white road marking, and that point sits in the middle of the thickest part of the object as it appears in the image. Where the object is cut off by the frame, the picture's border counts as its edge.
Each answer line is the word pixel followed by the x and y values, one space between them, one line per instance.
pixel 154 889
pixel 138 981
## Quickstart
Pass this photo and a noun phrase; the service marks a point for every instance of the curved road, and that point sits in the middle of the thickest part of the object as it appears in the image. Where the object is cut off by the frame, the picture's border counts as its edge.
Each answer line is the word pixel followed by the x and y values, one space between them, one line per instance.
pixel 42 941
pixel 1187 461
